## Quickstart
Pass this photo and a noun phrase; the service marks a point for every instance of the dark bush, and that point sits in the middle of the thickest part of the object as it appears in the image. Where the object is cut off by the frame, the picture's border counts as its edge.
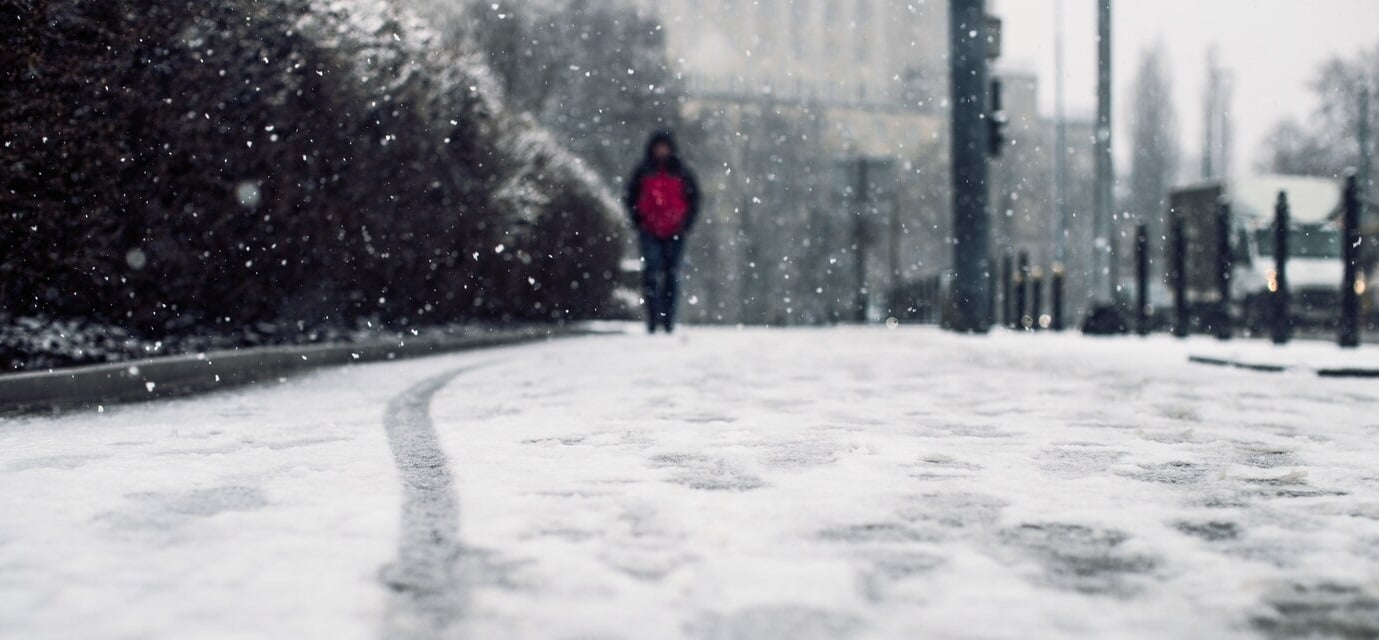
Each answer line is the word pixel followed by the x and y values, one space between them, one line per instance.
pixel 170 165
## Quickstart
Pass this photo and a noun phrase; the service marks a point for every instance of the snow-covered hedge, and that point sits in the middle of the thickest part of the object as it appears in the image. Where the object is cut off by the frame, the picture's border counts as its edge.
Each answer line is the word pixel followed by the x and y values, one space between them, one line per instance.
pixel 172 165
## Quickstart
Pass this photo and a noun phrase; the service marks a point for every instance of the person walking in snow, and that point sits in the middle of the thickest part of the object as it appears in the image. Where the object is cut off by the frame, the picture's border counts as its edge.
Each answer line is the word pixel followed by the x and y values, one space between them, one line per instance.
pixel 663 199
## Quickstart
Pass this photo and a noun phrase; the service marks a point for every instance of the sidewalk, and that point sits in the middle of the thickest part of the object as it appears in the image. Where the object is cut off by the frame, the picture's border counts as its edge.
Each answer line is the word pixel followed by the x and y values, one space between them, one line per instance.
pixel 871 484
pixel 1305 356
pixel 833 483
pixel 93 386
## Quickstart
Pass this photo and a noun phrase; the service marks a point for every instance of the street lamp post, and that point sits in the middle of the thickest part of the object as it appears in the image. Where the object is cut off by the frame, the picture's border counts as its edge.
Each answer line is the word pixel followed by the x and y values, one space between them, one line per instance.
pixel 1060 172
pixel 1104 270
pixel 968 43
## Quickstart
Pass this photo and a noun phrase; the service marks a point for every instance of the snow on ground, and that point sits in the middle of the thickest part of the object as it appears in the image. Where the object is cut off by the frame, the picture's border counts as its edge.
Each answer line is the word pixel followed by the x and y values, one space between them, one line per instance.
pixel 246 514
pixel 838 483
pixel 1311 354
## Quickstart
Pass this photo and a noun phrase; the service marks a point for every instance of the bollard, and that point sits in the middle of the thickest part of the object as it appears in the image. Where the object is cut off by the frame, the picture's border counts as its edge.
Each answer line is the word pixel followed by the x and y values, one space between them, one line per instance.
pixel 1350 253
pixel 1021 294
pixel 936 295
pixel 1057 298
pixel 936 290
pixel 1036 297
pixel 1281 322
pixel 1222 322
pixel 924 301
pixel 1179 264
pixel 993 282
pixel 861 242
pixel 930 300
pixel 940 299
pixel 1142 279
pixel 1007 304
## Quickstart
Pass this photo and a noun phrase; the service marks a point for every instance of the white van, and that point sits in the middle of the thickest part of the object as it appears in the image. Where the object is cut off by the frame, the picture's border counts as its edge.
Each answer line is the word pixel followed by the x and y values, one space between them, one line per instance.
pixel 1314 247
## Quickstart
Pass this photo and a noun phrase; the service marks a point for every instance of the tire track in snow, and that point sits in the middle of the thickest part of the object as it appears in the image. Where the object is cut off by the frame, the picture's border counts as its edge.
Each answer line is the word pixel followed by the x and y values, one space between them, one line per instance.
pixel 428 596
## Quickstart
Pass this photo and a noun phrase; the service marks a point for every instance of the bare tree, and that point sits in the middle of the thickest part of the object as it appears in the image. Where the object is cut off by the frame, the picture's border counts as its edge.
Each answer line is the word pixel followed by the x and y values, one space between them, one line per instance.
pixel 595 72
pixel 1326 144
pixel 1154 138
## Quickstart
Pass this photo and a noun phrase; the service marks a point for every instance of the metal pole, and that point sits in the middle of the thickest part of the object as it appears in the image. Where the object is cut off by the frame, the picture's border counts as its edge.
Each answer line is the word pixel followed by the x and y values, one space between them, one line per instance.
pixel 993 283
pixel 1060 151
pixel 1142 279
pixel 1179 266
pixel 1282 322
pixel 1007 289
pixel 745 287
pixel 1057 298
pixel 1366 187
pixel 1366 152
pixel 1223 322
pixel 1350 246
pixel 894 297
pixel 1022 292
pixel 1212 120
pixel 936 299
pixel 971 221
pixel 1103 276
pixel 859 237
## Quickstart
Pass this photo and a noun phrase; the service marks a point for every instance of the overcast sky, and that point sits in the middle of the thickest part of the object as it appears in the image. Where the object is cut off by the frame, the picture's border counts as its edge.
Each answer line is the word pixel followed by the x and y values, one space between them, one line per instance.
pixel 1272 46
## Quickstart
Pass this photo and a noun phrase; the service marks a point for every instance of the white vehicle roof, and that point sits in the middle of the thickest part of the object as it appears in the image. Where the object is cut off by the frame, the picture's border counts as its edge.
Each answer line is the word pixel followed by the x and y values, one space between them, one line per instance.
pixel 1310 200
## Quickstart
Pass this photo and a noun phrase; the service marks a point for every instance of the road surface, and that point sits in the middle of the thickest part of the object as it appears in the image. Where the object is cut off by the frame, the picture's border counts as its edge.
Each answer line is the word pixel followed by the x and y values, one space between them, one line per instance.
pixel 838 483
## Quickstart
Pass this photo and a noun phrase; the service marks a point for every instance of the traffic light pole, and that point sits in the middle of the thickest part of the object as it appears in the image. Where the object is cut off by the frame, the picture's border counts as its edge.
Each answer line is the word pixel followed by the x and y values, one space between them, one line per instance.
pixel 971 142
pixel 1104 269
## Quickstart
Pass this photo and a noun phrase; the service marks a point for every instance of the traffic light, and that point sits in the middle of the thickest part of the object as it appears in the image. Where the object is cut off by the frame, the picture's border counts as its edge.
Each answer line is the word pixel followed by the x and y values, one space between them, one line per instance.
pixel 996 121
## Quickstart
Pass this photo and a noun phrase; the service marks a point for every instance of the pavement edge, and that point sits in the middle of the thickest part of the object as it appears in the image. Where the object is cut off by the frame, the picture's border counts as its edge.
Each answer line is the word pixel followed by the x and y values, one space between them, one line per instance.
pixel 138 380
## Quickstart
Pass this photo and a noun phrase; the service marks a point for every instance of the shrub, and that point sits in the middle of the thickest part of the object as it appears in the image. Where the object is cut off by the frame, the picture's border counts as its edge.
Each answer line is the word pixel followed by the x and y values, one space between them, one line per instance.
pixel 174 165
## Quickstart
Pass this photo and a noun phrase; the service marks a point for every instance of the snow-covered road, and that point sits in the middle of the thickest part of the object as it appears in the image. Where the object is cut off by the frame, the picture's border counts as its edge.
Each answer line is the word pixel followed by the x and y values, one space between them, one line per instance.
pixel 841 483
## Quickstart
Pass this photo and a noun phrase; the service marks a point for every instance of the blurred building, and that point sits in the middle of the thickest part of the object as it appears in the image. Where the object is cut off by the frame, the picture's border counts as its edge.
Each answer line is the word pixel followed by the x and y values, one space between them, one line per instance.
pixel 881 53
pixel 791 94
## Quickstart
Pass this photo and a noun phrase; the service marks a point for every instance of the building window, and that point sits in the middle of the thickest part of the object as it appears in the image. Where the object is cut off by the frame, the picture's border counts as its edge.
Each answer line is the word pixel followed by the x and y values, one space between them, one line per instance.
pixel 799 26
pixel 862 31
pixel 834 28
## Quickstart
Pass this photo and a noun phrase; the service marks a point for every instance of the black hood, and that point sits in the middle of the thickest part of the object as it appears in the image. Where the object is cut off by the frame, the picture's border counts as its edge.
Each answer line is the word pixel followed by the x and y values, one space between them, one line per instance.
pixel 666 136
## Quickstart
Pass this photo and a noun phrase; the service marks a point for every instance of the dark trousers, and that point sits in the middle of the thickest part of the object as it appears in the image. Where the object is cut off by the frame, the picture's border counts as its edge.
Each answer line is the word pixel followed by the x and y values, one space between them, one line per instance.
pixel 660 278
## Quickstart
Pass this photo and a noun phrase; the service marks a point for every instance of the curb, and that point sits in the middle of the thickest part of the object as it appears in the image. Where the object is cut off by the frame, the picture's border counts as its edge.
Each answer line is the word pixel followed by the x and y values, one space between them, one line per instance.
pixel 1275 368
pixel 1348 373
pixel 157 378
